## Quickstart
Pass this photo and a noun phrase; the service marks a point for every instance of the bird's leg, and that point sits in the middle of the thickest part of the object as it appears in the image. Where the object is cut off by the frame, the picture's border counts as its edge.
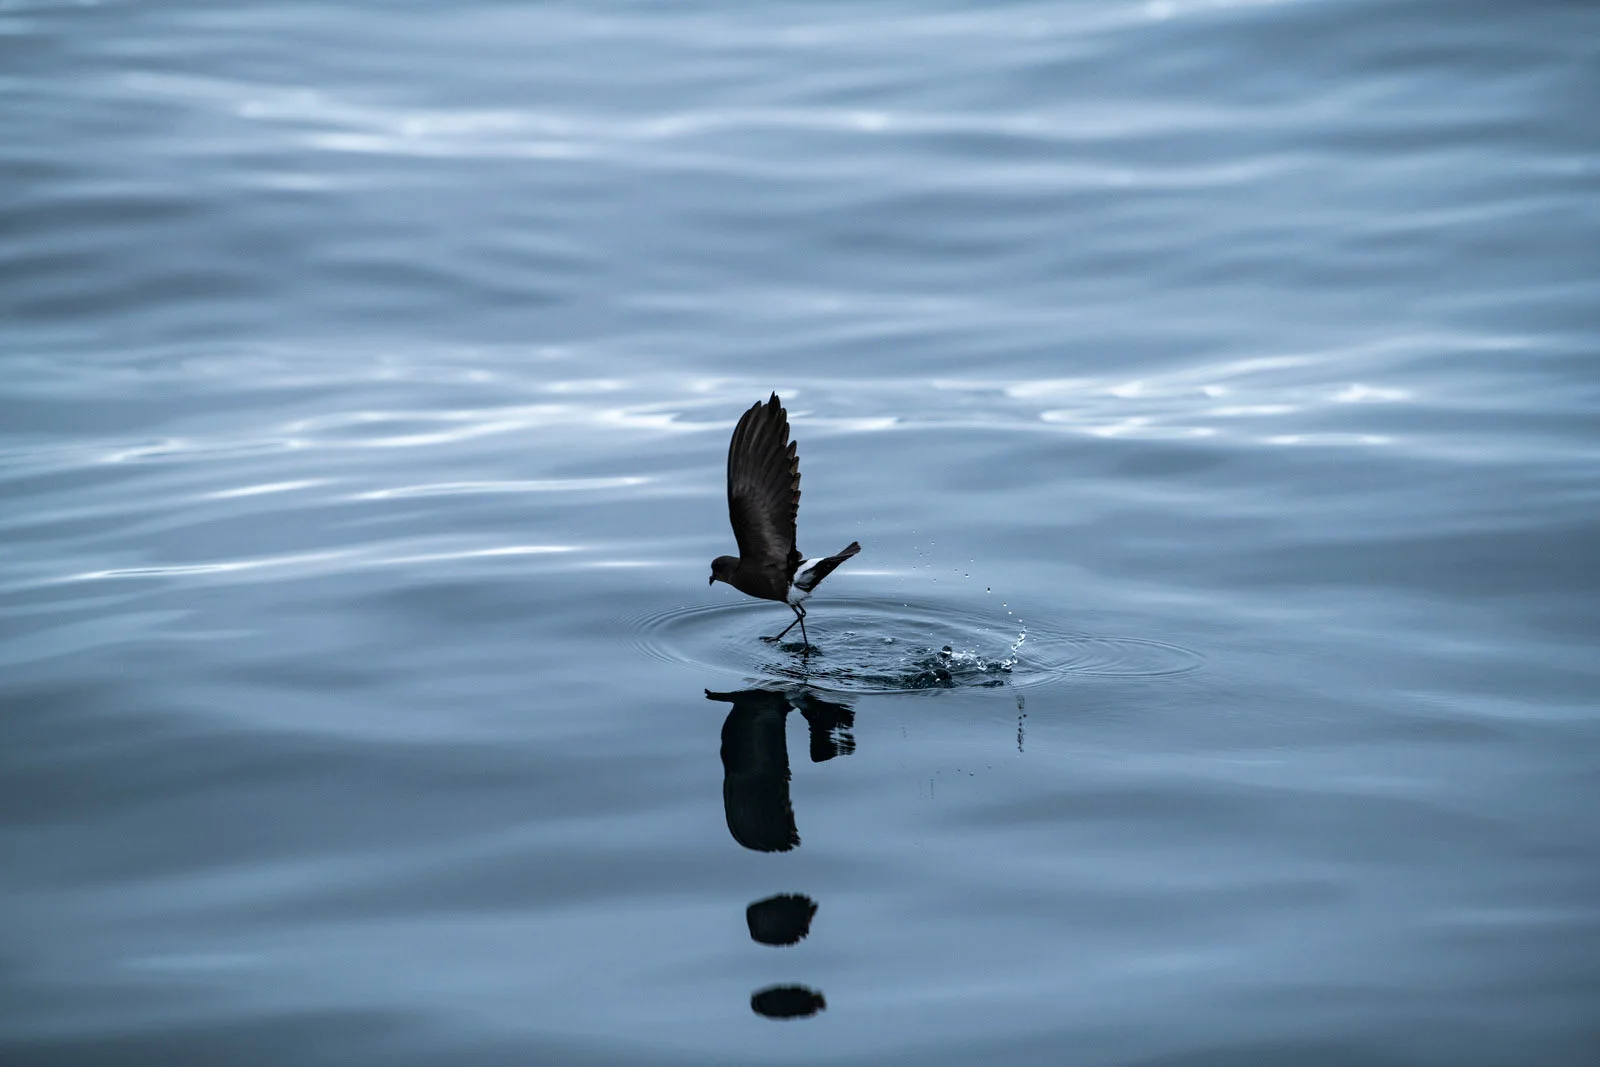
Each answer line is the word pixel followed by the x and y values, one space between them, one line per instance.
pixel 797 615
pixel 801 619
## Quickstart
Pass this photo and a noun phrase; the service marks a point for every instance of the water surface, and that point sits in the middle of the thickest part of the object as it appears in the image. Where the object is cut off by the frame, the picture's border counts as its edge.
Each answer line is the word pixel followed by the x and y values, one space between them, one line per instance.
pixel 1216 380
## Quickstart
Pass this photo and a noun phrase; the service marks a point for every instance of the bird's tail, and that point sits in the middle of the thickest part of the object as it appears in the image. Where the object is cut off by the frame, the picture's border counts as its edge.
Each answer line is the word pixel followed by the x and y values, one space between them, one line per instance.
pixel 824 567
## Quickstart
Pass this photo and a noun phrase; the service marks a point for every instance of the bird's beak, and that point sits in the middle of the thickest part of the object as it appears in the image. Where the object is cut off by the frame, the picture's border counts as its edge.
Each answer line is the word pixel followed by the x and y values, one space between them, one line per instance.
pixel 713 580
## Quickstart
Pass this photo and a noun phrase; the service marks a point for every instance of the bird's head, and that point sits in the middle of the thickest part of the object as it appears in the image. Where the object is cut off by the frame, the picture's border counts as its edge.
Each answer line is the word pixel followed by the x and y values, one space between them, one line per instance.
pixel 722 569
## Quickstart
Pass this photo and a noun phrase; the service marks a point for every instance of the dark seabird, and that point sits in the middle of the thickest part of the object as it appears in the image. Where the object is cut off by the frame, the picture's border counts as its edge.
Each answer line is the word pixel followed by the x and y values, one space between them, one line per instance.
pixel 763 501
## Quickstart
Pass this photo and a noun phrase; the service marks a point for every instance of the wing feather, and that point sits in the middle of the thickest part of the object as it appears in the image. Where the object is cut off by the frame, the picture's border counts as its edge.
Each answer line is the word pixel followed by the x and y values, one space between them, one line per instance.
pixel 764 488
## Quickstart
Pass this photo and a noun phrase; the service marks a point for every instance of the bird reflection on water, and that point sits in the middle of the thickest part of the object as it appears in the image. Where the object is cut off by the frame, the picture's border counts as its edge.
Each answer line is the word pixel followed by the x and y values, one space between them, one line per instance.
pixel 755 797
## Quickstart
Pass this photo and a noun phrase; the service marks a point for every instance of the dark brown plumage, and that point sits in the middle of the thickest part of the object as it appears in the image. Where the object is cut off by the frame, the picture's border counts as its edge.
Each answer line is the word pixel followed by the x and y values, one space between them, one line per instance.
pixel 763 503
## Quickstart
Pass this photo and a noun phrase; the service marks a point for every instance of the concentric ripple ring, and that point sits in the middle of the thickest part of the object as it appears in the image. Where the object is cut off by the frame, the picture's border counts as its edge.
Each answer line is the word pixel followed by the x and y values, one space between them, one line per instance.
pixel 889 645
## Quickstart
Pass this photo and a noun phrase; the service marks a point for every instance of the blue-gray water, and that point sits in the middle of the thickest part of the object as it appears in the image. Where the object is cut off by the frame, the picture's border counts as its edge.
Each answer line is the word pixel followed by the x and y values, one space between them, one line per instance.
pixel 368 372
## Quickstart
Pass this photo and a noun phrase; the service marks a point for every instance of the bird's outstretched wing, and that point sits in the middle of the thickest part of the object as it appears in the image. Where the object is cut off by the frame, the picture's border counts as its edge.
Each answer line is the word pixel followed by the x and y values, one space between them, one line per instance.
pixel 764 488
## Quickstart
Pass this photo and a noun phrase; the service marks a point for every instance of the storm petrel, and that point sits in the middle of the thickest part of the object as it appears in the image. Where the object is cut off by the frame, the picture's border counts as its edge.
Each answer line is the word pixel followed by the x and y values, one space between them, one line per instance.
pixel 763 500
